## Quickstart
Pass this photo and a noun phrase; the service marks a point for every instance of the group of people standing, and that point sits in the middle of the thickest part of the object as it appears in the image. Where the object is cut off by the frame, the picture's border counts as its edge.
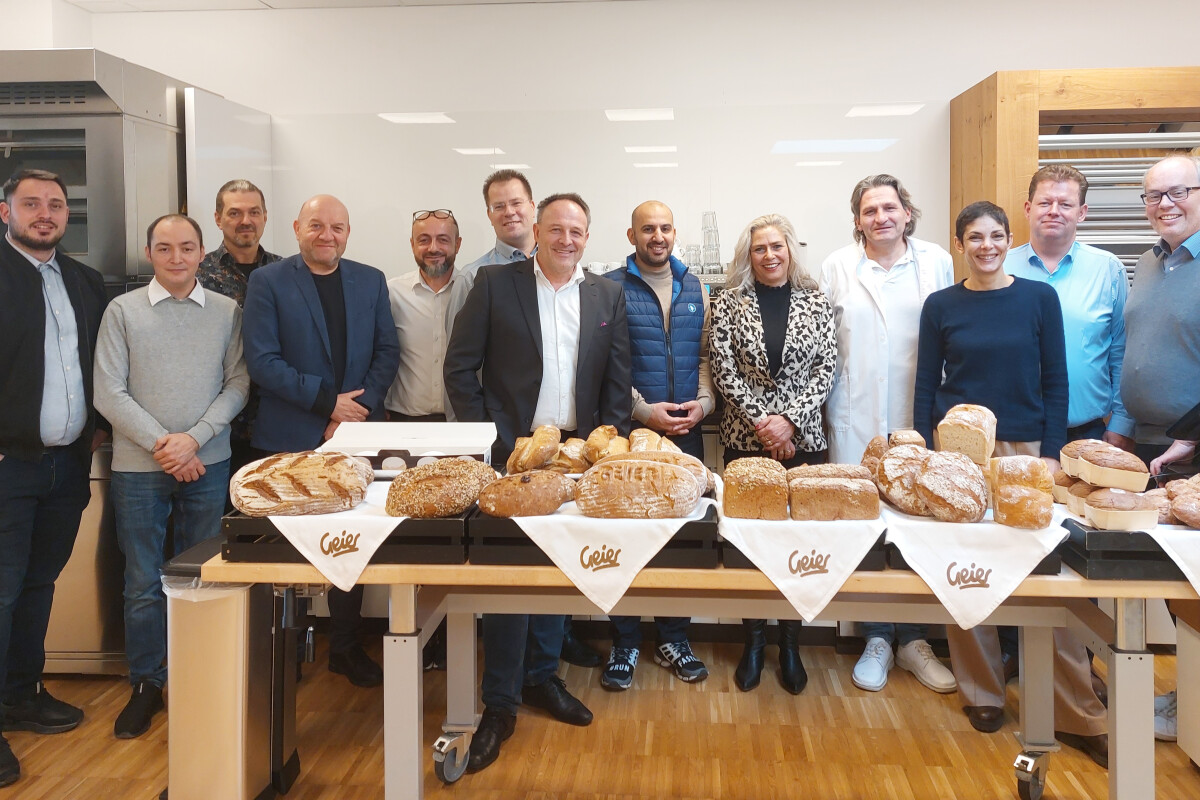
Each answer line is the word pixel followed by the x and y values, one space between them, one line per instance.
pixel 239 353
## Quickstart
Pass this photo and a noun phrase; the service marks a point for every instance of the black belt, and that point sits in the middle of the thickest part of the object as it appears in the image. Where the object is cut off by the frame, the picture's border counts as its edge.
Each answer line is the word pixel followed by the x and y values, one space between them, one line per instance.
pixel 396 416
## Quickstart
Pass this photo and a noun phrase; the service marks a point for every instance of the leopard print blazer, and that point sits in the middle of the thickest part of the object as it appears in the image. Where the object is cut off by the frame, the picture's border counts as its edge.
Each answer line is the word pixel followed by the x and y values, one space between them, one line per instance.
pixel 738 358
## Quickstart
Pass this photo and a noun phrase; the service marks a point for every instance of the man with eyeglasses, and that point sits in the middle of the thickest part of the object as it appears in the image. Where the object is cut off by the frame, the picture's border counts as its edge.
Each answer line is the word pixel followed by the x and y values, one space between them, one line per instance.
pixel 321 346
pixel 509 202
pixel 1161 378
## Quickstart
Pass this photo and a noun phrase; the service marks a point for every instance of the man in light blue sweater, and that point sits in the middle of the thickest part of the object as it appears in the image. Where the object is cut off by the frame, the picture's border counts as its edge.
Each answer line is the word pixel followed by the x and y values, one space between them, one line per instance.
pixel 170 376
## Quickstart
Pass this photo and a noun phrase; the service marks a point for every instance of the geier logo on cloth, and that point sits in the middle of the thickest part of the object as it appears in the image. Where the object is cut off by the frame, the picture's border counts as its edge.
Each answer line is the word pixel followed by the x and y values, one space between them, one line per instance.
pixel 967 578
pixel 339 544
pixel 603 557
pixel 811 564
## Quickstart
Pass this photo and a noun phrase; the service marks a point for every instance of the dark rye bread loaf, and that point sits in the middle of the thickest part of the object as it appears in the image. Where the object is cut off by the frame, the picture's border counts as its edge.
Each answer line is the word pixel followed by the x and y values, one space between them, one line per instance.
pixel 295 484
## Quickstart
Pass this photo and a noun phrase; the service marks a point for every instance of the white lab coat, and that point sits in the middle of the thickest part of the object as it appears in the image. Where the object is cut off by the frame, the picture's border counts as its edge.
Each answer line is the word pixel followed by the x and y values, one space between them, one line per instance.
pixel 857 409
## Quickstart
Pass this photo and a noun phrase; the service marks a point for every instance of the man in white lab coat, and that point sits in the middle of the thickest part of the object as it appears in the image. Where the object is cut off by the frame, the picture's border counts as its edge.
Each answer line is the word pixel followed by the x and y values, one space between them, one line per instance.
pixel 877 287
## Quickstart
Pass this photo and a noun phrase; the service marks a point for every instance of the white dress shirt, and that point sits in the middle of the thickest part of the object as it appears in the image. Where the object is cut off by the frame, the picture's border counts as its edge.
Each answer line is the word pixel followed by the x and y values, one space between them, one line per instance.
pixel 156 293
pixel 424 319
pixel 559 313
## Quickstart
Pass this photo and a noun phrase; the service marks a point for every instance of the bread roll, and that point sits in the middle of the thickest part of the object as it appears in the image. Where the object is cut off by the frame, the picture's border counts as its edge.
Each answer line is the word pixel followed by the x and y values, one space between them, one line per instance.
pixel 1118 510
pixel 666 445
pixel 616 446
pixel 953 487
pixel 897 475
pixel 875 449
pixel 543 446
pixel 643 439
pixel 755 488
pixel 897 438
pixel 637 489
pixel 528 494
pixel 1186 508
pixel 597 441
pixel 690 463
pixel 1076 494
pixel 970 430
pixel 294 484
pixel 1112 468
pixel 569 457
pixel 520 453
pixel 1022 507
pixel 1062 485
pixel 445 488
pixel 1163 504
pixel 816 498
pixel 852 471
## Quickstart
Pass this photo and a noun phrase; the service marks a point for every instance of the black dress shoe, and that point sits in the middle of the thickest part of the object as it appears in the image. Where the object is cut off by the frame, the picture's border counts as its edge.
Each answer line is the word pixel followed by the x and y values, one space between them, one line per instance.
pixel 41 713
pixel 10 768
pixel 494 728
pixel 792 674
pixel 357 666
pixel 985 719
pixel 577 653
pixel 552 696
pixel 1096 747
pixel 750 667
pixel 134 720
pixel 433 657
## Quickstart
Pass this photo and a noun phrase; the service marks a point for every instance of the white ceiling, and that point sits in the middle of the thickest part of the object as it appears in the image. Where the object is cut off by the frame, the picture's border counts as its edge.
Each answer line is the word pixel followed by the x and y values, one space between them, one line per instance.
pixel 134 6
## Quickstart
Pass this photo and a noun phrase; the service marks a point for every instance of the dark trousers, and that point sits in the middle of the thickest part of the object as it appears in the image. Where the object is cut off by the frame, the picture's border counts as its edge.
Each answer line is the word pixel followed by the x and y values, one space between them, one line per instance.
pixel 396 416
pixel 518 650
pixel 40 508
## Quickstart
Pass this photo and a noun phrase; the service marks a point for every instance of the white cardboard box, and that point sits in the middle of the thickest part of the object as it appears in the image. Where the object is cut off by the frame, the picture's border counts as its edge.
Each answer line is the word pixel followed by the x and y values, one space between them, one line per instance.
pixel 419 438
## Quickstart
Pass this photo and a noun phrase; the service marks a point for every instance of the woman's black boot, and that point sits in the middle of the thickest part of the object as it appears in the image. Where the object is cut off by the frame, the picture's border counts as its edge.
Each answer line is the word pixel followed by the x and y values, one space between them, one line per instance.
pixel 791 669
pixel 749 669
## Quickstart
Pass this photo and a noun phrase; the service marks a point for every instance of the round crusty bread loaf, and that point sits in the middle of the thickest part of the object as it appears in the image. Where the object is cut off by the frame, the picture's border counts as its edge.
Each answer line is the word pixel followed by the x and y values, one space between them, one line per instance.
pixel 692 464
pixel 1160 499
pixel 445 488
pixel 896 477
pixel 295 484
pixel 875 449
pixel 530 494
pixel 1181 486
pixel 1186 509
pixel 953 487
pixel 1022 507
pixel 637 489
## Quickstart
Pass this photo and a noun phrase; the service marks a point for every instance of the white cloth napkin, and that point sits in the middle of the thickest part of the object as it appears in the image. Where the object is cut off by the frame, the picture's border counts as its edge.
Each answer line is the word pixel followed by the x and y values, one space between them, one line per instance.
pixel 807 561
pixel 340 545
pixel 972 568
pixel 1182 545
pixel 602 556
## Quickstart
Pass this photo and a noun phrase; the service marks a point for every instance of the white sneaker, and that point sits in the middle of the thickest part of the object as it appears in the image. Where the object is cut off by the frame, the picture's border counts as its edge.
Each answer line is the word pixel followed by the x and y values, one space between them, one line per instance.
pixel 918 658
pixel 871 672
pixel 1166 725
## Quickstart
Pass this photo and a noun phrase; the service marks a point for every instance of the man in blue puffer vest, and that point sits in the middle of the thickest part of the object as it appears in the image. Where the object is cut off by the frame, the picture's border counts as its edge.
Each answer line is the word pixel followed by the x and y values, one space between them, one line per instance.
pixel 672 391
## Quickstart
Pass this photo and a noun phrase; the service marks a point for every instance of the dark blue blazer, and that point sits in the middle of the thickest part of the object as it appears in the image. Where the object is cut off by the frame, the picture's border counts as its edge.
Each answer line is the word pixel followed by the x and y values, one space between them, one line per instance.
pixel 287 349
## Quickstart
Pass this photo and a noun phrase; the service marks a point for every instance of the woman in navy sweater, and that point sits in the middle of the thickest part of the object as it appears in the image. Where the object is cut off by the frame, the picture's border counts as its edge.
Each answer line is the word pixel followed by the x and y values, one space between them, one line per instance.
pixel 999 341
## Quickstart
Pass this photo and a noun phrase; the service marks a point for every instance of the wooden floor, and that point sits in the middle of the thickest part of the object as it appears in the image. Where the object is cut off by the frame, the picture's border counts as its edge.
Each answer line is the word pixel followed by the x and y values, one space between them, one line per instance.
pixel 660 739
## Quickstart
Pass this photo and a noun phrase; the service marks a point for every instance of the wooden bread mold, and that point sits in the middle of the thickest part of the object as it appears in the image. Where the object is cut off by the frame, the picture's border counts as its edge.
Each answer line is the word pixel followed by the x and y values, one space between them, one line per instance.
pixel 1120 510
pixel 1062 485
pixel 832 498
pixel 444 488
pixel 527 494
pixel 637 489
pixel 294 484
pixel 896 477
pixel 970 430
pixel 952 487
pixel 1112 469
pixel 1068 456
pixel 755 488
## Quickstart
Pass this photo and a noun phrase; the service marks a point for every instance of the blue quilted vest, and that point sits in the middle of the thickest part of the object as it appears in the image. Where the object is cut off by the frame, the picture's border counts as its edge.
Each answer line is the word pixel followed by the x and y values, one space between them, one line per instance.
pixel 666 365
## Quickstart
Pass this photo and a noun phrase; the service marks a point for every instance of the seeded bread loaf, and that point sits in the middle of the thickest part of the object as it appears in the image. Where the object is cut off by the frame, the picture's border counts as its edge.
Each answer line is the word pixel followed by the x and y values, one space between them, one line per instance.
pixel 445 488
pixel 897 475
pixel 823 499
pixel 637 489
pixel 755 488
pixel 952 487
pixel 970 430
pixel 295 484
pixel 528 494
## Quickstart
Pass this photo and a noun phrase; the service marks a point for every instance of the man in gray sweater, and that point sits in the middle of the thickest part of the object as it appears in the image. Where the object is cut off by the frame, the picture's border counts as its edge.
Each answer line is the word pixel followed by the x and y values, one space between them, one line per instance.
pixel 170 376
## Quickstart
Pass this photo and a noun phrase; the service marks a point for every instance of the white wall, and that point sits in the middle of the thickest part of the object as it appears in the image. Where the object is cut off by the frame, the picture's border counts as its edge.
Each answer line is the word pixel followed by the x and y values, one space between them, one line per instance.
pixel 533 79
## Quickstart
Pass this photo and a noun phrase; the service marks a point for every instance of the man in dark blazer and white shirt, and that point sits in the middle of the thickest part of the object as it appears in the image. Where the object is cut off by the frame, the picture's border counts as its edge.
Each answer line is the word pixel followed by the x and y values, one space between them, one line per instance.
pixel 50 310
pixel 540 342
pixel 321 346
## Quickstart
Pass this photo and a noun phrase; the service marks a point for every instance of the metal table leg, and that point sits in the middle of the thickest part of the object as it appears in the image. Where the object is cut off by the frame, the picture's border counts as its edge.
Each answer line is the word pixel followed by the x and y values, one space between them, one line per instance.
pixel 402 700
pixel 1037 710
pixel 1130 706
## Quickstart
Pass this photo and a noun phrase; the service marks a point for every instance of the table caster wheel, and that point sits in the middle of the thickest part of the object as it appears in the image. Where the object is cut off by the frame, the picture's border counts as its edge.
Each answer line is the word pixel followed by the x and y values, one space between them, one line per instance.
pixel 1031 775
pixel 450 753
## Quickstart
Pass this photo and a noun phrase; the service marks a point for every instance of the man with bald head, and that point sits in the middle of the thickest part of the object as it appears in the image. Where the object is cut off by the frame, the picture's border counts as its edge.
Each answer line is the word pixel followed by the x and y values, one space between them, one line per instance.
pixel 321 347
pixel 672 392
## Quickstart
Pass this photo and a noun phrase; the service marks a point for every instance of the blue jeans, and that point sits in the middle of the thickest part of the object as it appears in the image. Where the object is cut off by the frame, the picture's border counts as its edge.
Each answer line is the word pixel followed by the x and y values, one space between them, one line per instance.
pixel 41 504
pixel 627 630
pixel 901 632
pixel 518 650
pixel 143 501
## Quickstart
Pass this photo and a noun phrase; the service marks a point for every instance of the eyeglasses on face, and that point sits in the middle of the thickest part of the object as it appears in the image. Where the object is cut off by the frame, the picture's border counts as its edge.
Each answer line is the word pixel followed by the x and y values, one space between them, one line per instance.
pixel 1177 194
pixel 441 213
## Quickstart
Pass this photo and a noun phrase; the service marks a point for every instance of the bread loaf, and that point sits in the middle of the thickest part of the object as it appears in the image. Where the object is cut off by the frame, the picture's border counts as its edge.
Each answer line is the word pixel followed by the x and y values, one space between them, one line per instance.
pixel 519 453
pixel 543 445
pixel 637 489
pixel 445 488
pixel 1186 508
pixel 1180 486
pixel 1076 494
pixel 690 463
pixel 569 457
pixel 1163 504
pixel 294 484
pixel 1112 468
pixel 597 441
pixel 1118 510
pixel 643 439
pixel 970 430
pixel 1028 471
pixel 755 488
pixel 529 494
pixel 667 446
pixel 1068 456
pixel 852 471
pixel 1062 485
pixel 1022 507
pixel 875 449
pixel 908 436
pixel 897 475
pixel 815 498
pixel 953 487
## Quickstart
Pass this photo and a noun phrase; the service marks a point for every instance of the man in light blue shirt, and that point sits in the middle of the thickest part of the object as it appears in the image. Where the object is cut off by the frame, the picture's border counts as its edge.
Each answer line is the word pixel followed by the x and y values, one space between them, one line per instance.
pixel 510 207
pixel 1092 287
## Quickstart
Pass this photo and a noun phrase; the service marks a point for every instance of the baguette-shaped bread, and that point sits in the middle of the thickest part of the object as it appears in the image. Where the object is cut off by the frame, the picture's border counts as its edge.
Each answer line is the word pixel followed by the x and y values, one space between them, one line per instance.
pixel 569 457
pixel 529 494
pixel 445 488
pixel 1112 468
pixel 970 430
pixel 1119 510
pixel 1022 507
pixel 295 484
pixel 597 441
pixel 637 489
pixel 851 471
pixel 953 487
pixel 643 439
pixel 690 463
pixel 1186 508
pixel 824 499
pixel 896 476
pixel 755 488
pixel 907 436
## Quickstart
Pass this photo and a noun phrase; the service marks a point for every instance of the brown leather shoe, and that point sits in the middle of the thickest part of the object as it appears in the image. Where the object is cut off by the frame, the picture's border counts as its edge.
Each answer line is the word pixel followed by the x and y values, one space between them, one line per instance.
pixel 1100 688
pixel 985 719
pixel 1012 667
pixel 1096 747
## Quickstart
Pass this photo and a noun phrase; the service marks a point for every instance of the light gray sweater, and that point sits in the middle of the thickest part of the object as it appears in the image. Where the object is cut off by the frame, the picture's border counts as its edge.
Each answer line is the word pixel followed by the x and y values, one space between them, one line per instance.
pixel 174 367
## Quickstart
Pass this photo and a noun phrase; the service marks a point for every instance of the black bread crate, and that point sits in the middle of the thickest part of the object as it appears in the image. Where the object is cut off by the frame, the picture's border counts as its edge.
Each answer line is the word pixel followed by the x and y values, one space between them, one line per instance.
pixel 1116 555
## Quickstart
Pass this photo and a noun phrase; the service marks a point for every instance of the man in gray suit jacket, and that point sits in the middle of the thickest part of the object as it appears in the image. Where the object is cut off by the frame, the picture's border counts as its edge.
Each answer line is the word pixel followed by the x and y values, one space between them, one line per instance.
pixel 551 343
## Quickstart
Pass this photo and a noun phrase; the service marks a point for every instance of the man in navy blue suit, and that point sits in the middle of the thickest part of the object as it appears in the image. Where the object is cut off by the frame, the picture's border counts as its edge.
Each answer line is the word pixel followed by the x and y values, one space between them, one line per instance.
pixel 321 346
